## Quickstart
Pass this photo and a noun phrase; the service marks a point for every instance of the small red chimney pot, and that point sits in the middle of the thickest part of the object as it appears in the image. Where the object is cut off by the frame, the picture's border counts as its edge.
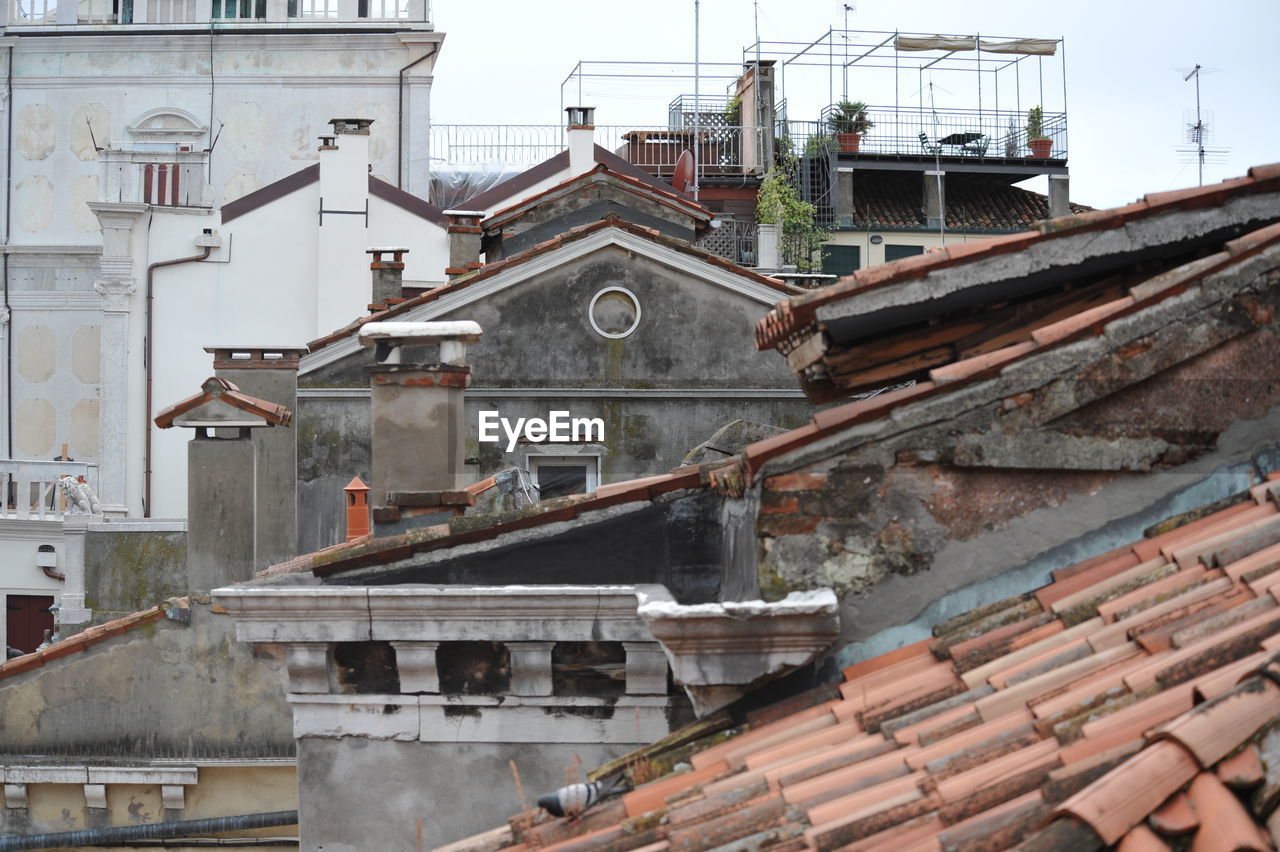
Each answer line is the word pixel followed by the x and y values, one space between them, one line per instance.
pixel 357 494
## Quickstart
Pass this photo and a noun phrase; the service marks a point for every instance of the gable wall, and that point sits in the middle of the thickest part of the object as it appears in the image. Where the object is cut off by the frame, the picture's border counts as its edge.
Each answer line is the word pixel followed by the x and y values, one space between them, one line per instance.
pixel 537 339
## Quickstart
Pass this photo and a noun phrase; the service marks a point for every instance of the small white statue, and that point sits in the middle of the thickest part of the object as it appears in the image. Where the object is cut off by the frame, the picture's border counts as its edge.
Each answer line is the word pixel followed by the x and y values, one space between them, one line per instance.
pixel 80 497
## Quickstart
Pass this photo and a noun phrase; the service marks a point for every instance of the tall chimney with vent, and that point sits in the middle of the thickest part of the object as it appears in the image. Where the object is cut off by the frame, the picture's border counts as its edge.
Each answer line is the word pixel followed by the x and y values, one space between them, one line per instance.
pixel 465 235
pixel 417 420
pixel 269 372
pixel 344 224
pixel 582 139
pixel 388 275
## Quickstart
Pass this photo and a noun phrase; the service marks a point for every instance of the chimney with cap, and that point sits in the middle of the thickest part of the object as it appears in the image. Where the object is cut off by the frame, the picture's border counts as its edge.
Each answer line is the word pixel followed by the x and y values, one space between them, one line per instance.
pixel 344 223
pixel 465 235
pixel 388 277
pixel 417 421
pixel 269 372
pixel 222 492
pixel 582 139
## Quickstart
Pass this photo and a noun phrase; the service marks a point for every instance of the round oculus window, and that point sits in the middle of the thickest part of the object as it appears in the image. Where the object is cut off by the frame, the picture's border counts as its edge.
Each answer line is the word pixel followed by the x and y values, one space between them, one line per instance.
pixel 614 312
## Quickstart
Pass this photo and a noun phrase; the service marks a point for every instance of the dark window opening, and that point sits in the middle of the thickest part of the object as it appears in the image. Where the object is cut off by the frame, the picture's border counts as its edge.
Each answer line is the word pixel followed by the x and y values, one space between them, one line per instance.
pixel 892 252
pixel 559 480
pixel 366 667
pixel 474 668
pixel 589 668
pixel 841 260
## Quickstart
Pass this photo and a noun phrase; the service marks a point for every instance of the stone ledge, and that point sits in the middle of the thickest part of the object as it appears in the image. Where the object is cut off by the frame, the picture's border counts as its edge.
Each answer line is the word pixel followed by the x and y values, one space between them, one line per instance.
pixel 719 652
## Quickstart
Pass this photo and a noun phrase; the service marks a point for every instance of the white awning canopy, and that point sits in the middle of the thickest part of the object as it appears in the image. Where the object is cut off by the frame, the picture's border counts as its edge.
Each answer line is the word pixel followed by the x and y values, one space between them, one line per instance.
pixel 1029 46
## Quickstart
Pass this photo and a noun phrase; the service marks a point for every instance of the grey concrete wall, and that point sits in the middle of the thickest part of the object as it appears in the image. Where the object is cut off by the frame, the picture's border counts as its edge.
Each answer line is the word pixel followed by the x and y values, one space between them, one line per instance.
pixel 642 437
pixel 126 572
pixel 537 334
pixel 428 794
pixel 161 690
pixel 276 466
pixel 221 510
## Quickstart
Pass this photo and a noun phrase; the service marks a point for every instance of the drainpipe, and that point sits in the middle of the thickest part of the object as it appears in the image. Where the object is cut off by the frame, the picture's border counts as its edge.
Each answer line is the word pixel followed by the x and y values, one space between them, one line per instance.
pixel 146 362
pixel 8 217
pixel 401 147
pixel 147 831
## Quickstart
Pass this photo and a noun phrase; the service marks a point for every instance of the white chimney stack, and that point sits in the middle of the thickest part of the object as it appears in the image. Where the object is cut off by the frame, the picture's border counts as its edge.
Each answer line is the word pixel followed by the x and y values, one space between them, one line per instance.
pixel 344 224
pixel 582 139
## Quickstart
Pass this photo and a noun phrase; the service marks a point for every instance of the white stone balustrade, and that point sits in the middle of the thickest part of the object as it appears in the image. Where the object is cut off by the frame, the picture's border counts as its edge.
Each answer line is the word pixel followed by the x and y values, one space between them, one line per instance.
pixel 103 13
pixel 30 488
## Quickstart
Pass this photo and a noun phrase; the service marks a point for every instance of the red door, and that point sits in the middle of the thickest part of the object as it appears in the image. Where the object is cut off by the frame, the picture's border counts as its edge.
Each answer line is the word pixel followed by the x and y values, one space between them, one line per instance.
pixel 28 618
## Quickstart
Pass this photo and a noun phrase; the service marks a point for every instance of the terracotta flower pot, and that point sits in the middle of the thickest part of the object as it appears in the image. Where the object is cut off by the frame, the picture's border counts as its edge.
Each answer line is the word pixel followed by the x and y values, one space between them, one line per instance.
pixel 1040 148
pixel 848 142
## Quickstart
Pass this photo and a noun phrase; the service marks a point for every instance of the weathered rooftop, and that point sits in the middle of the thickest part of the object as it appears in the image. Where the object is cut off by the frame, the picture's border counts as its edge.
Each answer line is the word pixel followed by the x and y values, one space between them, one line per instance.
pixel 1133 698
pixel 926 315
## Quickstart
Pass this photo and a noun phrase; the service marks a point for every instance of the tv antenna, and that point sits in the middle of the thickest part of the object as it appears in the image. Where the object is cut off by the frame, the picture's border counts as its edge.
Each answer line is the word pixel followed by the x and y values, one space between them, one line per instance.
pixel 1199 132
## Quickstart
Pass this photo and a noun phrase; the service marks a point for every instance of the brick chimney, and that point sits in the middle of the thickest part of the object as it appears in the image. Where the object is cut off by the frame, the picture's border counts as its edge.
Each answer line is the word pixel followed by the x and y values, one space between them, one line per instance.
pixel 269 372
pixel 417 420
pixel 344 223
pixel 464 241
pixel 388 276
pixel 582 139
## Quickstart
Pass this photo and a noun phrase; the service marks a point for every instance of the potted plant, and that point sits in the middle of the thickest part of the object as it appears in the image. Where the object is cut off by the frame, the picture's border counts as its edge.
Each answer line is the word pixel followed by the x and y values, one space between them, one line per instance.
pixel 1039 144
pixel 849 123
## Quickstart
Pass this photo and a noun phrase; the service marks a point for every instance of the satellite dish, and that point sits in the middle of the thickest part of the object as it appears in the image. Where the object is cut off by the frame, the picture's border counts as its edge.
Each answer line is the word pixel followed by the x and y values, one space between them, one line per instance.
pixel 683 177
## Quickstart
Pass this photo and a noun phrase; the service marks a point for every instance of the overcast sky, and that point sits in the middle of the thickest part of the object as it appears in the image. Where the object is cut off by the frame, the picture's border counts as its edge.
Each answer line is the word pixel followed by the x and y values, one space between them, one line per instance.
pixel 503 62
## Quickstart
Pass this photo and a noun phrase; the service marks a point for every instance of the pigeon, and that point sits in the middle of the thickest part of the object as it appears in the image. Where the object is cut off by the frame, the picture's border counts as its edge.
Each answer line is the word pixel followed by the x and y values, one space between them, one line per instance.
pixel 573 800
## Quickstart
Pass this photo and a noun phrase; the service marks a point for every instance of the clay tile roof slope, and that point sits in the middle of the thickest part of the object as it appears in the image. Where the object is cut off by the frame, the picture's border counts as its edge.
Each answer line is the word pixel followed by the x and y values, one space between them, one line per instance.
pixel 572 235
pixel 1018 725
pixel 510 189
pixel 846 325
pixel 215 388
pixel 176 609
pixel 602 172
pixel 972 206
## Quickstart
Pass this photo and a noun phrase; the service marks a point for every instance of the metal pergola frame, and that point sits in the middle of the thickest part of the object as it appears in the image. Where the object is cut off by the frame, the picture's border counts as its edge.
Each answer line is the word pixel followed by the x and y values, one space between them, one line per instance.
pixel 839 50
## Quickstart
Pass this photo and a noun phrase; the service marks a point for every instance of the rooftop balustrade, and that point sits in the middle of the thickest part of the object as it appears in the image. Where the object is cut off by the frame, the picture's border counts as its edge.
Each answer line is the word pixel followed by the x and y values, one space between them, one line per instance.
pixel 30 488
pixel 120 14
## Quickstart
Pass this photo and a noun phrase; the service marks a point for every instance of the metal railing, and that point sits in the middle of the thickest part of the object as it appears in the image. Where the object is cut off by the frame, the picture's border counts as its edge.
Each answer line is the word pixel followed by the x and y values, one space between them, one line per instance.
pixel 736 240
pixel 997 134
pixel 30 488
pixel 47 13
pixel 721 151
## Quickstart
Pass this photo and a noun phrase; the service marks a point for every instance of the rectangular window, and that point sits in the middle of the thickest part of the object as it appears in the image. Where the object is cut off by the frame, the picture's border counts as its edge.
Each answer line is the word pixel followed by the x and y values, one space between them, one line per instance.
pixel 242 9
pixel 558 476
pixel 841 260
pixel 898 252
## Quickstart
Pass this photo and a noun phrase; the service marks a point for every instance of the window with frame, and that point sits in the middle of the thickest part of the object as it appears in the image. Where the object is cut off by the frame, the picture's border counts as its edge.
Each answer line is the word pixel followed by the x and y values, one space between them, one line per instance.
pixel 559 476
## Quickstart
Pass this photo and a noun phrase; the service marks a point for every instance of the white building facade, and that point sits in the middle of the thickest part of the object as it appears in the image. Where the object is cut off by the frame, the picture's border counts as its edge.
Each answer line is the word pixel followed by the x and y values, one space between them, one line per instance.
pixel 129 126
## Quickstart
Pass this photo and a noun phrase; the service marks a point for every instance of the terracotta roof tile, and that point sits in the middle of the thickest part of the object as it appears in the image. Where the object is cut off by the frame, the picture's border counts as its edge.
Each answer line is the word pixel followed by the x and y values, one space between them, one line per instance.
pixel 1122 798
pixel 1242 770
pixel 1224 823
pixel 782 323
pixel 89 637
pixel 1142 839
pixel 1216 728
pixel 1175 817
pixel 1087 726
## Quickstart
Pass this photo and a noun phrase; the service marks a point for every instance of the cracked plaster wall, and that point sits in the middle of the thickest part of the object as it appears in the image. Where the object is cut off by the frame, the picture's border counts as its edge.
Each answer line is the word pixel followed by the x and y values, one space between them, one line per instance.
pixel 1165 411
